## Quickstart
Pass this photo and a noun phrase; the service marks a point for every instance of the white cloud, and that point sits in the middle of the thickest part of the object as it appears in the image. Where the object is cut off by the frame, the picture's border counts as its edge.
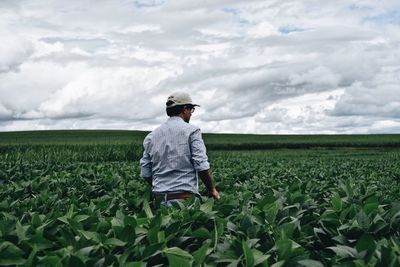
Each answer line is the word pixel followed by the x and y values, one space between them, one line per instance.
pixel 26 89
pixel 254 66
pixel 43 49
pixel 319 76
pixel 262 30
pixel 14 50
pixel 379 97
pixel 104 93
pixel 5 113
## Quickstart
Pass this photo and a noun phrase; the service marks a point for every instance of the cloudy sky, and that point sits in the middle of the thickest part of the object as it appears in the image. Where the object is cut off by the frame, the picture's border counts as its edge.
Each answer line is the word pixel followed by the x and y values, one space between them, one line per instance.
pixel 274 67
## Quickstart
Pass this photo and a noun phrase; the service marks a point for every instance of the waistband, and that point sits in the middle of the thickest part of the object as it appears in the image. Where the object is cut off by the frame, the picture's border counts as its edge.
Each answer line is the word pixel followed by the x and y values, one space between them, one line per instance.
pixel 173 195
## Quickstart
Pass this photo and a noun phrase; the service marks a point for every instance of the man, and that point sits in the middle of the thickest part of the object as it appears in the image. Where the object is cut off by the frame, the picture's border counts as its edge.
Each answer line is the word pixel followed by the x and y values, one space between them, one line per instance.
pixel 175 155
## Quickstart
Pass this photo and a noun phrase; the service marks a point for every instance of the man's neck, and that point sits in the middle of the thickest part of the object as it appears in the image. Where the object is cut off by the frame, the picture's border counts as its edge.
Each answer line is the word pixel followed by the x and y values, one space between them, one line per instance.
pixel 181 116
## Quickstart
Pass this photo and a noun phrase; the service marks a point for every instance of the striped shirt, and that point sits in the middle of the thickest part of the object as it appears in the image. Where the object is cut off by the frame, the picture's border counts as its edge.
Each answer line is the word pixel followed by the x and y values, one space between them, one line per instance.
pixel 173 154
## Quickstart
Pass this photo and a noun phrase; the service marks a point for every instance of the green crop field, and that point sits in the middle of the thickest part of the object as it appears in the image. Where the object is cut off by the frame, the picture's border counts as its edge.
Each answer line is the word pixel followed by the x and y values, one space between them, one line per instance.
pixel 75 198
pixel 215 141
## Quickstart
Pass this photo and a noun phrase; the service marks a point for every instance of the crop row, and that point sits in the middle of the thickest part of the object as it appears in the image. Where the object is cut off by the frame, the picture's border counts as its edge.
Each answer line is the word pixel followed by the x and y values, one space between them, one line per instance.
pixel 278 208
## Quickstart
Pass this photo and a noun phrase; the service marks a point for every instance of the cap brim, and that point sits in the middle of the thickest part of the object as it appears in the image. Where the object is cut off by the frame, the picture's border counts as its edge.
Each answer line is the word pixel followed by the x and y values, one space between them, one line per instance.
pixel 176 104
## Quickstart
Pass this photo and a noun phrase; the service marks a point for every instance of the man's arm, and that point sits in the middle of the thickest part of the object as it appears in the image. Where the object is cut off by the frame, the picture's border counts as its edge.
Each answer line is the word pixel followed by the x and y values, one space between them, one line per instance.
pixel 200 162
pixel 206 177
pixel 145 163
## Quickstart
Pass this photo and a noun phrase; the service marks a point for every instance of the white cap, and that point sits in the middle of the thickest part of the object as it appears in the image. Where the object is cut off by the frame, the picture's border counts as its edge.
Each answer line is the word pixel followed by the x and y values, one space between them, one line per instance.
pixel 179 98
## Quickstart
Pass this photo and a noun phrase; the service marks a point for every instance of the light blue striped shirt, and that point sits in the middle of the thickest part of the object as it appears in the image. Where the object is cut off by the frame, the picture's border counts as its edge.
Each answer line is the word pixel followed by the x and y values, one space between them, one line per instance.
pixel 173 154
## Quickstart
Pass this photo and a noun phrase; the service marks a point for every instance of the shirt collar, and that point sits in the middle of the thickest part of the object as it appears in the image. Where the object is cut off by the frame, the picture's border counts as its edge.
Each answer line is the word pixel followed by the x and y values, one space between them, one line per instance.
pixel 175 118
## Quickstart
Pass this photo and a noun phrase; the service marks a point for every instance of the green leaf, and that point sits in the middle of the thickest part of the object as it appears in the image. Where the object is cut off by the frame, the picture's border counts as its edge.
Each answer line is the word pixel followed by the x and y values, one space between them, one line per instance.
pixel 40 242
pixel 44 225
pixel 161 237
pixel 284 248
pixel 395 218
pixel 366 243
pixel 344 251
pixel 388 257
pixel 268 198
pixel 128 234
pixel 219 227
pixel 135 264
pixel 259 257
pixel 86 251
pixel 131 221
pixel 70 212
pixel 215 236
pixel 363 221
pixel 200 254
pixel 349 188
pixel 91 235
pixel 20 232
pixel 178 257
pixel 278 264
pixel 115 242
pixel 270 211
pixel 248 254
pixel 69 238
pixel 36 221
pixel 74 261
pixel 117 222
pixel 208 206
pixel 286 230
pixel 341 239
pixel 110 260
pixel 371 204
pixel 245 223
pixel 201 233
pixel 147 209
pixel 81 218
pixel 10 254
pixel 151 250
pixel 120 215
pixel 50 260
pixel 31 258
pixel 310 263
pixel 336 202
pixel 152 235
pixel 74 224
pixel 63 219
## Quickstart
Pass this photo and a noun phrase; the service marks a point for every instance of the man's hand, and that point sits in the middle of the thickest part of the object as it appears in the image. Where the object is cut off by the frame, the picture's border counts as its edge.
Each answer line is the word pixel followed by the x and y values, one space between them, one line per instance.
pixel 206 177
pixel 214 193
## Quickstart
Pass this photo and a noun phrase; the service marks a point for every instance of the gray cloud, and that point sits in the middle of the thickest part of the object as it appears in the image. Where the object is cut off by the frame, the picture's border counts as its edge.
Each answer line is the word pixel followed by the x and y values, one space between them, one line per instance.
pixel 254 66
pixel 365 99
pixel 13 52
pixel 5 113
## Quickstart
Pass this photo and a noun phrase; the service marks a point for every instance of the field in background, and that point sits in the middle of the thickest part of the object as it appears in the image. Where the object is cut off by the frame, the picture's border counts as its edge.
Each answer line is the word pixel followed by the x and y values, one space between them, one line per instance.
pixel 114 145
pixel 76 198
pixel 217 141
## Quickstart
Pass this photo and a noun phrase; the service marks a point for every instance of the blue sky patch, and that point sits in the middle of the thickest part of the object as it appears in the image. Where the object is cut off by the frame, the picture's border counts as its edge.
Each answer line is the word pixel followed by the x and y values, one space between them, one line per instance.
pixel 289 29
pixel 236 14
pixel 148 3
pixel 390 17
pixel 359 7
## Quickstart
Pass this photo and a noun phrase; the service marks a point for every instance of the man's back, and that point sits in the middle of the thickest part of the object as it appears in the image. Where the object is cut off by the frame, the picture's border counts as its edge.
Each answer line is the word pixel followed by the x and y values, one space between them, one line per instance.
pixel 175 155
pixel 174 152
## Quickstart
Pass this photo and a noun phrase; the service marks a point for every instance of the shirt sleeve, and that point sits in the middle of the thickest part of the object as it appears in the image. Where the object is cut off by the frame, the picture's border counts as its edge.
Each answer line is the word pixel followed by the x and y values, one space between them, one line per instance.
pixel 145 161
pixel 198 149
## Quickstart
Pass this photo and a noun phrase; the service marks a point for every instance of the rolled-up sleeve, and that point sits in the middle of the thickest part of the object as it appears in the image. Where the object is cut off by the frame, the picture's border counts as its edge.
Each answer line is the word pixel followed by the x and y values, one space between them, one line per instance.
pixel 145 161
pixel 198 151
